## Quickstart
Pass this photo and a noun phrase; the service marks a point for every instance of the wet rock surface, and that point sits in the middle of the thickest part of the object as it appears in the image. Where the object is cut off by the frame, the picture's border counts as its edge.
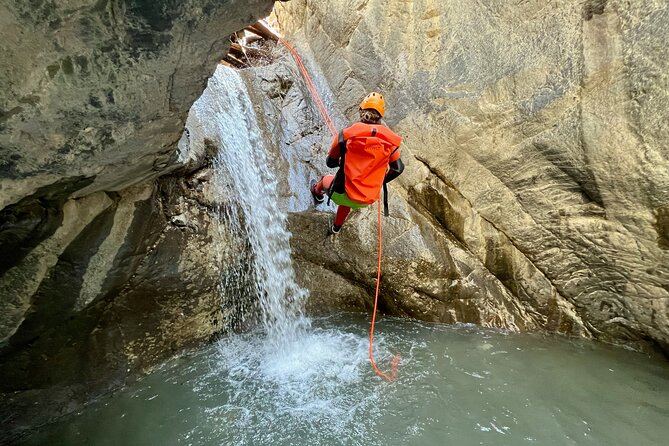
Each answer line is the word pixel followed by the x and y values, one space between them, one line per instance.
pixel 539 148
pixel 134 281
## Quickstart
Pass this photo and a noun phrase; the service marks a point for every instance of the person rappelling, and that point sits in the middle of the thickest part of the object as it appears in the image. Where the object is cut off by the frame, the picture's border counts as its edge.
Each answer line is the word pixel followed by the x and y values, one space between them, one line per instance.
pixel 368 157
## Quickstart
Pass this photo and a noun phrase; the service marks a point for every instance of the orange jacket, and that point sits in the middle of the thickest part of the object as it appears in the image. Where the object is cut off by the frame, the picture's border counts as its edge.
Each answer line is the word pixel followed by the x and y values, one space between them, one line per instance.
pixel 369 150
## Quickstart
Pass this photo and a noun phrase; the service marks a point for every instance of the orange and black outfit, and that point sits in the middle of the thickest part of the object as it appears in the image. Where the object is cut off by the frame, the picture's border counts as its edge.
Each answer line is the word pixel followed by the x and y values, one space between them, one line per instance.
pixel 368 157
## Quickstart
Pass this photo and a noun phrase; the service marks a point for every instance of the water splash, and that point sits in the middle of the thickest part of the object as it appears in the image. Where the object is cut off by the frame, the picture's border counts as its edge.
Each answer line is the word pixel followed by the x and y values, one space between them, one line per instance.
pixel 225 116
pixel 320 384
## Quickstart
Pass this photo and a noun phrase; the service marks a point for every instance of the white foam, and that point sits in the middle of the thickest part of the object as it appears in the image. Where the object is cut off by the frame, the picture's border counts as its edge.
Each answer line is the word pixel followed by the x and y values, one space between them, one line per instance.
pixel 322 378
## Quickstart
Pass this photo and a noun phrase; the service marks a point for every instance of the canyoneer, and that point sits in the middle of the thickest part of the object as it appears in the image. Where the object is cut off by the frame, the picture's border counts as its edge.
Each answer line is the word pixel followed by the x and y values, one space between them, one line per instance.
pixel 368 157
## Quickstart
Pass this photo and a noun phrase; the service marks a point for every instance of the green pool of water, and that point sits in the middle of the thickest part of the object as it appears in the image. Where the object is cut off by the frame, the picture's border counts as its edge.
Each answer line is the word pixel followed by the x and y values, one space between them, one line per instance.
pixel 456 386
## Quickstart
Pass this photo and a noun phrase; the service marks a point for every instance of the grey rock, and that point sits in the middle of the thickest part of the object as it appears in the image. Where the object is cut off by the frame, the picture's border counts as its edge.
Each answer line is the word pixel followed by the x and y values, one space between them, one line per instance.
pixel 101 89
pixel 116 289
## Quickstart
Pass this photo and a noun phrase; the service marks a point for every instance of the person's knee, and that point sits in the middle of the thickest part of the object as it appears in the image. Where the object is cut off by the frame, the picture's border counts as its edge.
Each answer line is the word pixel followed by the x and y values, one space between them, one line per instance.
pixel 327 181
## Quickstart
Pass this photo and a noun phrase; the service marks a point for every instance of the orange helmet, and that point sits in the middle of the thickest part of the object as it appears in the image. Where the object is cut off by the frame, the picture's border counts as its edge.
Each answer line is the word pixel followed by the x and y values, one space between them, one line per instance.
pixel 374 101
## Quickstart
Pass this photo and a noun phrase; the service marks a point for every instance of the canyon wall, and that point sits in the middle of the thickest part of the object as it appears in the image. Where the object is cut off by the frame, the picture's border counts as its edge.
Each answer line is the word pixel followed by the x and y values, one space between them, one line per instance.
pixel 536 193
pixel 536 148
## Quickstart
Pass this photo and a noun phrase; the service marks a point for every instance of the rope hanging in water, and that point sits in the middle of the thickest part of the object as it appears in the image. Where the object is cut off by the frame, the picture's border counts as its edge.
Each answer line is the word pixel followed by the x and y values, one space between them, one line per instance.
pixel 396 359
pixel 390 376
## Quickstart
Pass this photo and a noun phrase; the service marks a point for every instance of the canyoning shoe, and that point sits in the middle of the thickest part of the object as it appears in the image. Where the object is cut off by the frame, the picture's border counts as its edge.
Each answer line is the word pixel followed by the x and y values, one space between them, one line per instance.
pixel 334 229
pixel 317 198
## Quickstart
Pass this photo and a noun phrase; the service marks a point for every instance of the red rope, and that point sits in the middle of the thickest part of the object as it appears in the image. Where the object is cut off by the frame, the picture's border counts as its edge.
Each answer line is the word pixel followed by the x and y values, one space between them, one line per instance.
pixel 322 109
pixel 312 89
pixel 390 376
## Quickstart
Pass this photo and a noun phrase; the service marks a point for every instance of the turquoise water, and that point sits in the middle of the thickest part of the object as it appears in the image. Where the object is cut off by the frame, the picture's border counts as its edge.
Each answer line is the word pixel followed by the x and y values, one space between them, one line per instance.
pixel 456 386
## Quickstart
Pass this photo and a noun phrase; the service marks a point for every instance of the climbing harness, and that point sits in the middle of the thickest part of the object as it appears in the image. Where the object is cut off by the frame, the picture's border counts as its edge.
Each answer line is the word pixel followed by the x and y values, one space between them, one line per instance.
pixel 390 376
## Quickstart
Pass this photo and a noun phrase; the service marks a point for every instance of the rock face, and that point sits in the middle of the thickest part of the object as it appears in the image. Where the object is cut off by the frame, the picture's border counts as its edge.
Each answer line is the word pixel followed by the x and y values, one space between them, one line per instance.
pixel 128 279
pixel 100 90
pixel 105 270
pixel 536 150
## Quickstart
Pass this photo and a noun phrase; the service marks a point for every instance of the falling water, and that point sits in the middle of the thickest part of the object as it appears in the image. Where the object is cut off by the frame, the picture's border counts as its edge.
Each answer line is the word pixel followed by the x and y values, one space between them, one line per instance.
pixel 242 175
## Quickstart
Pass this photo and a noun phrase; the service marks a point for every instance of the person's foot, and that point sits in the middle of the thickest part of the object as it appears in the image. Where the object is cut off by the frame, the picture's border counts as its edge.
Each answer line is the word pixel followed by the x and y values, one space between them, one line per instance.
pixel 317 198
pixel 334 229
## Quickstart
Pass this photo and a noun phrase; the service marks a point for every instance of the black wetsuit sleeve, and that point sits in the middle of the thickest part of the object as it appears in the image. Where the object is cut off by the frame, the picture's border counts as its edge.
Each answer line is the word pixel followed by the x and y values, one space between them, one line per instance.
pixel 337 151
pixel 395 169
pixel 331 162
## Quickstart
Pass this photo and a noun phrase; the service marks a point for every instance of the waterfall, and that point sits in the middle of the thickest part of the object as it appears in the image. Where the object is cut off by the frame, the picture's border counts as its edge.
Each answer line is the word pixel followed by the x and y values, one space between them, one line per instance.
pixel 243 179
pixel 295 371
